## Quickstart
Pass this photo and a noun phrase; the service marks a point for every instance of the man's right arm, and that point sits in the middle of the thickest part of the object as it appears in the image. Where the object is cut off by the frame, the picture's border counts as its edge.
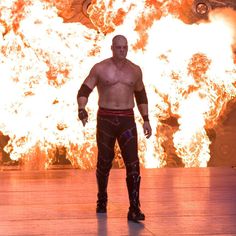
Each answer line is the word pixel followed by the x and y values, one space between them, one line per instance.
pixel 82 97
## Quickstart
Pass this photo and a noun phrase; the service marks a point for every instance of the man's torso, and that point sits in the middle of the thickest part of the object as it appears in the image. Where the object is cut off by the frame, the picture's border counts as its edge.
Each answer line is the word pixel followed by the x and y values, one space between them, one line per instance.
pixel 116 84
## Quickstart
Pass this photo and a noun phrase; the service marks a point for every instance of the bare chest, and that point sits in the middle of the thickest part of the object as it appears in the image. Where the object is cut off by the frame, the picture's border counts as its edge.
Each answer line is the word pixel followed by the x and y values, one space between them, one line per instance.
pixel 113 76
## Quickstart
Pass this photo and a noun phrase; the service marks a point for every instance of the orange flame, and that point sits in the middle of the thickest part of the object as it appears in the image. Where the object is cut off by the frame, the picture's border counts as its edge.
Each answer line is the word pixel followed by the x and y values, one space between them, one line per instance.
pixel 188 70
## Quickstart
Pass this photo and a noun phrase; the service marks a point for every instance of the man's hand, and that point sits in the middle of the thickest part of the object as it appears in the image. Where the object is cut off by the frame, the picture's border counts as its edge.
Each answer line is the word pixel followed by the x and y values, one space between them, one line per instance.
pixel 147 129
pixel 83 116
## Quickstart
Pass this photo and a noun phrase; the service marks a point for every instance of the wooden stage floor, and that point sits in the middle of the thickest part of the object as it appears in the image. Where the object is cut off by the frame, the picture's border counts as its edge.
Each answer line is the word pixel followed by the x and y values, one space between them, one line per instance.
pixel 176 201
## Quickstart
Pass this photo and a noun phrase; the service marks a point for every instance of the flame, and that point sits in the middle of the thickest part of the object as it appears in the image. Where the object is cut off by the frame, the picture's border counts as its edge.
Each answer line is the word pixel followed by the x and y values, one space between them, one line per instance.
pixel 188 70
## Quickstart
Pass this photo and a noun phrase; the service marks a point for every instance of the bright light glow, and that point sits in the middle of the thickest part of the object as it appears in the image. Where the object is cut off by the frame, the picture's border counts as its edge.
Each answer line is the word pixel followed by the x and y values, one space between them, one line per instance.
pixel 188 71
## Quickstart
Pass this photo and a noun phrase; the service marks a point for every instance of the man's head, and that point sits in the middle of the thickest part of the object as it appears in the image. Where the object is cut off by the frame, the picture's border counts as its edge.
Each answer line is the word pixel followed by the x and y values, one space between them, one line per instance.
pixel 119 47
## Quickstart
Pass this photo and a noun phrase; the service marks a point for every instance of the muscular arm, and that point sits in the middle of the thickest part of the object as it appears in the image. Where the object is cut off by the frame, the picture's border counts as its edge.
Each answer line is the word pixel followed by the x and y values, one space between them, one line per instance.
pixel 86 88
pixel 90 82
pixel 142 103
pixel 140 95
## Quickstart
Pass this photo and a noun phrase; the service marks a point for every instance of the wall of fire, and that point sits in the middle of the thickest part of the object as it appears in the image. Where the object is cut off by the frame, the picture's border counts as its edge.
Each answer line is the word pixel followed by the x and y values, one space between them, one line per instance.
pixel 223 148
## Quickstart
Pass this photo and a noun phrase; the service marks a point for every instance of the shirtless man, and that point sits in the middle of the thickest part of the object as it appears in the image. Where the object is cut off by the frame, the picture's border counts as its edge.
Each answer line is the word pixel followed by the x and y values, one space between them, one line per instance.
pixel 118 81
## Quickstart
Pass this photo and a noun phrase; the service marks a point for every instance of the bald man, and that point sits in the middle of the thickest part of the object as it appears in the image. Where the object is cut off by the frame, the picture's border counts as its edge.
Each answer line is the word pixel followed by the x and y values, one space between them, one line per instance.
pixel 118 82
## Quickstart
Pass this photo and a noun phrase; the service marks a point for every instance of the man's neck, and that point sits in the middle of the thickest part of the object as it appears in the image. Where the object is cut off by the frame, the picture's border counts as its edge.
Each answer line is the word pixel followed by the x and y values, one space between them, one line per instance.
pixel 118 62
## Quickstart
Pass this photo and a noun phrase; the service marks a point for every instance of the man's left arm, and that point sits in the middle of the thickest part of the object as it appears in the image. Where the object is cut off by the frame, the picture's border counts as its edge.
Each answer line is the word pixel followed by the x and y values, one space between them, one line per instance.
pixel 142 103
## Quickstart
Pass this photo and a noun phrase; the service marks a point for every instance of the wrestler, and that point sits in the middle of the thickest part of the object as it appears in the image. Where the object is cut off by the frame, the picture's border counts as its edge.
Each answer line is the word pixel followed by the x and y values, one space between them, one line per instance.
pixel 118 81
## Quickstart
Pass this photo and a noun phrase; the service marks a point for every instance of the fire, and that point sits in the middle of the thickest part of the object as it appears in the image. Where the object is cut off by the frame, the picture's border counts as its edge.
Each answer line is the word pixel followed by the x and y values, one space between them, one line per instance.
pixel 188 70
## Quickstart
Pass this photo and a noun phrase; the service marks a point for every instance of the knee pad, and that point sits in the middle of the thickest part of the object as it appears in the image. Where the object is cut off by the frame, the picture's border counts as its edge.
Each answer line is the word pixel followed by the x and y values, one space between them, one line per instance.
pixel 103 167
pixel 133 169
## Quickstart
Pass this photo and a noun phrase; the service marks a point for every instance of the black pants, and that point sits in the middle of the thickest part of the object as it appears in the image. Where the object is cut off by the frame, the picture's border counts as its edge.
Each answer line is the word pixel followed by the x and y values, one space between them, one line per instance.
pixel 123 129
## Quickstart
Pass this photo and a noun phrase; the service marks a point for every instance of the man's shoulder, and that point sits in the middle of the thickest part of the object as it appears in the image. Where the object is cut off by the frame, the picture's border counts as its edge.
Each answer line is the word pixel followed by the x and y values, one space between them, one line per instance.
pixel 133 65
pixel 101 64
pixel 104 62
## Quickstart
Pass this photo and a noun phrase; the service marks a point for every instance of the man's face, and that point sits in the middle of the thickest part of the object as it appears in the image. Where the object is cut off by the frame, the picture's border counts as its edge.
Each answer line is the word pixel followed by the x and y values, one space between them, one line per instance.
pixel 120 48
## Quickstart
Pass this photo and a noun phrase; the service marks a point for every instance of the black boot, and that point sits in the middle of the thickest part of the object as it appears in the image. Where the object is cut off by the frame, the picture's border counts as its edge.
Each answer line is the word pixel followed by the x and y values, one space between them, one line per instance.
pixel 102 193
pixel 101 203
pixel 133 185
